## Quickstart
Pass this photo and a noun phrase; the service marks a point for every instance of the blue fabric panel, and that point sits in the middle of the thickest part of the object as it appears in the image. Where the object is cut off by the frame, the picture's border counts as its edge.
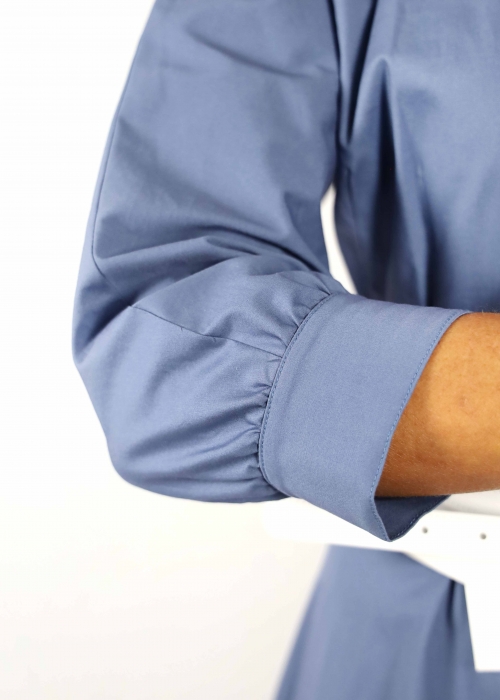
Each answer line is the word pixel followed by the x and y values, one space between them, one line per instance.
pixel 381 626
pixel 340 390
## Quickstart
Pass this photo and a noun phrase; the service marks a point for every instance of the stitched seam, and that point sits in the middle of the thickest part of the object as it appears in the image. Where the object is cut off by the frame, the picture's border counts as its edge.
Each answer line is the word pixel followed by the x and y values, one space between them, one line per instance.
pixel 111 140
pixel 383 530
pixel 108 156
pixel 203 335
pixel 97 206
pixel 277 378
pixel 94 224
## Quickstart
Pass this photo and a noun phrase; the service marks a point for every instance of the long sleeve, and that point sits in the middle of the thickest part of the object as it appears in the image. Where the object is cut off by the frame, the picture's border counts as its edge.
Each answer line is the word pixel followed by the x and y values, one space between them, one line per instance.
pixel 223 360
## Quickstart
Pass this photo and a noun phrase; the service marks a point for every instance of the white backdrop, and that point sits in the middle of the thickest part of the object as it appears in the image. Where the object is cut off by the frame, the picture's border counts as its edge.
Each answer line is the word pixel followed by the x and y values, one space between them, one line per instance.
pixel 106 592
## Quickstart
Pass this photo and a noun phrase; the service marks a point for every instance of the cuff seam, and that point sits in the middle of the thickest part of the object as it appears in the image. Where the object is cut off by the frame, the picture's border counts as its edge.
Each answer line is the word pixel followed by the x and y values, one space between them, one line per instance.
pixel 267 412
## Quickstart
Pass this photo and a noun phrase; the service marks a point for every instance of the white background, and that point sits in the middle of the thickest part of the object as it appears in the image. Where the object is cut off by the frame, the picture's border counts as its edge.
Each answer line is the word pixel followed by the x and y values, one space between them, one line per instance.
pixel 106 592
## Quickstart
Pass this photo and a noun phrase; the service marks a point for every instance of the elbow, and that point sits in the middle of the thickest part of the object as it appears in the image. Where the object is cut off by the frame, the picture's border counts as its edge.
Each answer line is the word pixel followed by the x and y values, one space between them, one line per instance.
pixel 181 413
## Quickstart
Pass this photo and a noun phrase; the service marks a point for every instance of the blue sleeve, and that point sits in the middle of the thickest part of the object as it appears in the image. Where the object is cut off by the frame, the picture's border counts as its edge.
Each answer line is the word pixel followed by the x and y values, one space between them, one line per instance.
pixel 223 360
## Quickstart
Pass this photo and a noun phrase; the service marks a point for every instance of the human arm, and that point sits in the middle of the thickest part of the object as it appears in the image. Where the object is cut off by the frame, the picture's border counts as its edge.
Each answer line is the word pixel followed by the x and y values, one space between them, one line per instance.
pixel 448 437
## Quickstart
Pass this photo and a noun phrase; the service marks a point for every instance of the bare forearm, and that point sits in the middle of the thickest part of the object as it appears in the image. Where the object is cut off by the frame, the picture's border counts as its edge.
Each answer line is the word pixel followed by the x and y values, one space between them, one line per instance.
pixel 448 438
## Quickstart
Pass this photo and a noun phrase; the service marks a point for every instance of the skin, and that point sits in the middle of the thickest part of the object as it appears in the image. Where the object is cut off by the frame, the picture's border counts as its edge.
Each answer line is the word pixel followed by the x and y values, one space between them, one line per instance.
pixel 448 438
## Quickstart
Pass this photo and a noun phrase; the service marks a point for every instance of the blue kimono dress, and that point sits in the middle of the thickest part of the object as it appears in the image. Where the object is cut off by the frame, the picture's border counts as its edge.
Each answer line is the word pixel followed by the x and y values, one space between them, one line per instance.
pixel 224 361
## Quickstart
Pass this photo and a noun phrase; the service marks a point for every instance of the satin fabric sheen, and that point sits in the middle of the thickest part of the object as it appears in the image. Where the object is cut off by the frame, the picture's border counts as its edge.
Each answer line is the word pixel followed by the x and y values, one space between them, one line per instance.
pixel 224 361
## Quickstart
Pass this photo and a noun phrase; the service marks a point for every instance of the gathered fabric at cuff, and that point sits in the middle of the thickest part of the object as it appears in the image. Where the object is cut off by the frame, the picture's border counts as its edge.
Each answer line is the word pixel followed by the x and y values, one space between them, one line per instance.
pixel 337 397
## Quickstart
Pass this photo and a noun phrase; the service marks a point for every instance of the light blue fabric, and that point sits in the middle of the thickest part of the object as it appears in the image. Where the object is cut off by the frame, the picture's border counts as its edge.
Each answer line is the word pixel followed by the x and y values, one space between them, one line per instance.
pixel 223 360
pixel 380 626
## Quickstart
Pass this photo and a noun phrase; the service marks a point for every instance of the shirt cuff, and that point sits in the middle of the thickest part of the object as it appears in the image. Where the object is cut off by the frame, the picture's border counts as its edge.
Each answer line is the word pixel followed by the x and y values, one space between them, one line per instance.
pixel 339 392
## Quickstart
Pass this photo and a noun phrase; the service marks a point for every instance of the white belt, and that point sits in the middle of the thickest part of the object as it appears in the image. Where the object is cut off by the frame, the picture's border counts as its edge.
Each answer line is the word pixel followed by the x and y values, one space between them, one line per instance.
pixel 464 546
